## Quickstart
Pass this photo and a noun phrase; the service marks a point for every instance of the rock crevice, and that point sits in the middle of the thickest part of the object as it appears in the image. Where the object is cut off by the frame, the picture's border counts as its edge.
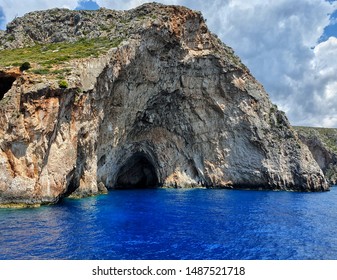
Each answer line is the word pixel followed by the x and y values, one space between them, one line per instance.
pixel 137 172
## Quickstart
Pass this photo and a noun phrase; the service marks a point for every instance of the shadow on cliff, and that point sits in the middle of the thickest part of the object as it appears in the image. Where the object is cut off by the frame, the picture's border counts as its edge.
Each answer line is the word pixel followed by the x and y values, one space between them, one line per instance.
pixel 137 173
pixel 6 82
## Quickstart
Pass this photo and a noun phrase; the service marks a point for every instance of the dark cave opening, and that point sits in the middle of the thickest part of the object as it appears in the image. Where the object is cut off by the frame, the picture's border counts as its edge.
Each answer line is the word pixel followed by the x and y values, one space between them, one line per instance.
pixel 6 82
pixel 137 173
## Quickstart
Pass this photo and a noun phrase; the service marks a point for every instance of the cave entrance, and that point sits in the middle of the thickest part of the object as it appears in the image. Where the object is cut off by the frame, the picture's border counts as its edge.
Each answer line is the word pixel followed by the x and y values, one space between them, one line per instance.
pixel 137 173
pixel 6 82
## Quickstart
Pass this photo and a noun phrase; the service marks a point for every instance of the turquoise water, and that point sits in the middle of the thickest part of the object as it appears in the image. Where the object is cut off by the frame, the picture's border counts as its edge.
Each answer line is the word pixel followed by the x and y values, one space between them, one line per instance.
pixel 176 224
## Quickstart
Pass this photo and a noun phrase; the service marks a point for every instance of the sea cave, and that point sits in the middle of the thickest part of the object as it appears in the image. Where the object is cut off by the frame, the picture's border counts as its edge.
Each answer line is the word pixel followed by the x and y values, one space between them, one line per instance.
pixel 6 82
pixel 138 172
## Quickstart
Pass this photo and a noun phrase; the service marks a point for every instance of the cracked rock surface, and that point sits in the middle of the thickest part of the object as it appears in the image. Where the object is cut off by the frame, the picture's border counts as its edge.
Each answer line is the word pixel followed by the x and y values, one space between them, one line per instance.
pixel 170 106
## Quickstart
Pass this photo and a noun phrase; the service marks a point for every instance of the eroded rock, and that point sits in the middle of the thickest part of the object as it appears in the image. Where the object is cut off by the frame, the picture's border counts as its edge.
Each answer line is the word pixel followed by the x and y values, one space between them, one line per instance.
pixel 322 143
pixel 171 106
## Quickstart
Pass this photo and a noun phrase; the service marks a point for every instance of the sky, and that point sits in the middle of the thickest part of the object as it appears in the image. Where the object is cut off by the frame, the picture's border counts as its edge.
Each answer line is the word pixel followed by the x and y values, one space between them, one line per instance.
pixel 289 46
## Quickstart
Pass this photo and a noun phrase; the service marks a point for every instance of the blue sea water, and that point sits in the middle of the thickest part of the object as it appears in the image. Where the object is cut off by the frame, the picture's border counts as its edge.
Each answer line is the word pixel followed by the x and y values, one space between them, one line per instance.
pixel 176 224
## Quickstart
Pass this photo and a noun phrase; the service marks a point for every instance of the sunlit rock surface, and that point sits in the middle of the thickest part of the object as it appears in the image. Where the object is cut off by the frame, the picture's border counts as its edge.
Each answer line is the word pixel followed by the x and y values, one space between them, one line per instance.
pixel 170 106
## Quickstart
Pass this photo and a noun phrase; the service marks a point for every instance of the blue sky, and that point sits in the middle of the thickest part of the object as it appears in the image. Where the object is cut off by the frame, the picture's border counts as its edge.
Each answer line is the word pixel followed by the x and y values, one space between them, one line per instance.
pixel 331 29
pixel 289 46
pixel 87 5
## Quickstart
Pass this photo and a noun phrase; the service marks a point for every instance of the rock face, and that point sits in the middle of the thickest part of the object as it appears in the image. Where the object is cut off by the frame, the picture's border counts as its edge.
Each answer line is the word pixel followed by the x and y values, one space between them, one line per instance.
pixel 322 143
pixel 170 106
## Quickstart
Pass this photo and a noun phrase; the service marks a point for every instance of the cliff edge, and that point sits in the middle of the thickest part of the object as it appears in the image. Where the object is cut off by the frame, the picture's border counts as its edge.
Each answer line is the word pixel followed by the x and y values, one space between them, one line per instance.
pixel 141 98
pixel 322 142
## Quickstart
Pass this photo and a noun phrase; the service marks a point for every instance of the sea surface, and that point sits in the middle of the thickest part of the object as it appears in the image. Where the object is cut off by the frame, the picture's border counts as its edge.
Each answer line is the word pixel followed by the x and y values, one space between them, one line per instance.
pixel 176 224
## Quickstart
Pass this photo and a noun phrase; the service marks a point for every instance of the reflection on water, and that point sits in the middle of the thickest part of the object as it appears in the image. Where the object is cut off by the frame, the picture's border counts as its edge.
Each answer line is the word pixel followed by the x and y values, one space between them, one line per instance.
pixel 175 224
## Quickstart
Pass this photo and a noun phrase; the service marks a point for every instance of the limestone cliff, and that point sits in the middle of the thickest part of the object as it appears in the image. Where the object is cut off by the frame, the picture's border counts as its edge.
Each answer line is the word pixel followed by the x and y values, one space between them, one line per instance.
pixel 158 101
pixel 322 143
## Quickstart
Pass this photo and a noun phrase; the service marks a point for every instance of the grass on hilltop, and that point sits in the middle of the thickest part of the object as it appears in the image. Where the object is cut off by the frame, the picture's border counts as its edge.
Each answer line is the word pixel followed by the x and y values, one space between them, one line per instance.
pixel 327 135
pixel 49 55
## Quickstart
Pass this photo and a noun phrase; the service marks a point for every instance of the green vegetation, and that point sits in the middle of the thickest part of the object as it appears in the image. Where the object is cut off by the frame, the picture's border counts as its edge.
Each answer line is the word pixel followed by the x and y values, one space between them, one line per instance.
pixel 25 66
pixel 273 108
pixel 107 28
pixel 4 101
pixel 11 38
pixel 233 57
pixel 61 71
pixel 145 17
pixel 327 135
pixel 41 71
pixel 48 55
pixel 63 84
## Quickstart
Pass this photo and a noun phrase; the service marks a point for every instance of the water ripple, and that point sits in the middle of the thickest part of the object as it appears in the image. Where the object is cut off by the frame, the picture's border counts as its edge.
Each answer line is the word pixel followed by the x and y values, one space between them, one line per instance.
pixel 176 224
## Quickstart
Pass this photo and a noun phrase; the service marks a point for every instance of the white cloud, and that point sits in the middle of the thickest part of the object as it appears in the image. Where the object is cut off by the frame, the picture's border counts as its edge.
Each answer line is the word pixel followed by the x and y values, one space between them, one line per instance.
pixel 319 87
pixel 277 40
pixel 15 8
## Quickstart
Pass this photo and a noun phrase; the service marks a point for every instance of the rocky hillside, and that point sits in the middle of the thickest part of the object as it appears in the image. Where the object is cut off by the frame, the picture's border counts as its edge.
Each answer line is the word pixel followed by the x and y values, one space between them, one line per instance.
pixel 322 143
pixel 142 98
pixel 62 25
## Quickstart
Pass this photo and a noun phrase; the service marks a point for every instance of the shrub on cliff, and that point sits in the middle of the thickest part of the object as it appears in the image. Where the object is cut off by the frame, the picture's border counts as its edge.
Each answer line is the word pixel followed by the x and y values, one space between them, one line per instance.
pixel 25 66
pixel 63 84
